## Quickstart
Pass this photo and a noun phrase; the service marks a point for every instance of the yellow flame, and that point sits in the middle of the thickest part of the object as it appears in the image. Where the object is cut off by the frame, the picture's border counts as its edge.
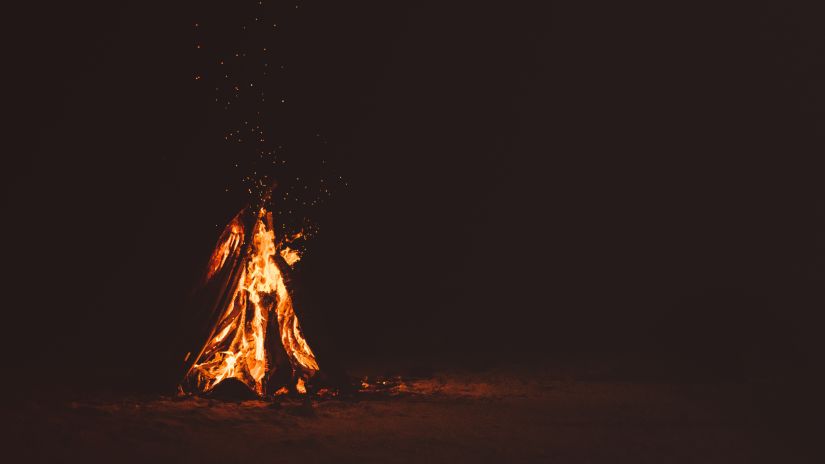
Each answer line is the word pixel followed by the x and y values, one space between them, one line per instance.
pixel 262 290
pixel 290 256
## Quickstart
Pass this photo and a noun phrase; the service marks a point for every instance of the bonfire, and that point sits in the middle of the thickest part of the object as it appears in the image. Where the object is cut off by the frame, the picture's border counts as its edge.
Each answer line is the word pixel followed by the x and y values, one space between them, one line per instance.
pixel 254 335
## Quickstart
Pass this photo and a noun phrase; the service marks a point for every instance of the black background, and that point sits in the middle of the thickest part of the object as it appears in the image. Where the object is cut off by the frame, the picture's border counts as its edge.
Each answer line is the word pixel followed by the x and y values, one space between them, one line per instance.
pixel 523 183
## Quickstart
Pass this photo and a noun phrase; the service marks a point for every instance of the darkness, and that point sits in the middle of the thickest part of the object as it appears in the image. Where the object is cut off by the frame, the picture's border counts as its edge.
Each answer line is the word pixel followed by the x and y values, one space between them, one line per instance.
pixel 516 183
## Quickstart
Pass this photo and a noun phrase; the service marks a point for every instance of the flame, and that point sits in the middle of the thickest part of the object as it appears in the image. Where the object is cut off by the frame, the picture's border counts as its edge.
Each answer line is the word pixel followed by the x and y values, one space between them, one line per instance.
pixel 290 256
pixel 231 240
pixel 237 348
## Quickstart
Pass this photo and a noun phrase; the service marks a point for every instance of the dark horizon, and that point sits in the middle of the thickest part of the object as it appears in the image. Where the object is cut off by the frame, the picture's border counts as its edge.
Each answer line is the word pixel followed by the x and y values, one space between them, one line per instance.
pixel 515 184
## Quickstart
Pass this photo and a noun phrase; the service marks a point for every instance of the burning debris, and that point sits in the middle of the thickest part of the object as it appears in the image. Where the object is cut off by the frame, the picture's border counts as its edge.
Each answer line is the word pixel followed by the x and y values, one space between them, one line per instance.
pixel 255 337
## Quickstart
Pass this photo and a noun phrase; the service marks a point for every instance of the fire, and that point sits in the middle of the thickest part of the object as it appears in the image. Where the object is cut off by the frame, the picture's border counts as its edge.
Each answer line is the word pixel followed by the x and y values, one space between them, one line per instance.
pixel 227 246
pixel 290 256
pixel 238 346
pixel 300 386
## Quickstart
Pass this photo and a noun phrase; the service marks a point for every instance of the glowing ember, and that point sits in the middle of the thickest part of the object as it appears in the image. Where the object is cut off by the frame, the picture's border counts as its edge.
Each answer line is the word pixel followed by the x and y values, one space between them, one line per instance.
pixel 238 347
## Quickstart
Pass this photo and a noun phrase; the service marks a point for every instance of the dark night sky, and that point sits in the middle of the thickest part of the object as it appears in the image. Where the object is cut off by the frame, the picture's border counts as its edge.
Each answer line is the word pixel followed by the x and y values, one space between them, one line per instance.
pixel 595 179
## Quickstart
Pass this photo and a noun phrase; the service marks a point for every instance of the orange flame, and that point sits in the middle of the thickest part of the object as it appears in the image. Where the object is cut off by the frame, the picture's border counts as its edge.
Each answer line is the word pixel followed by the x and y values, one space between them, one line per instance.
pixel 237 347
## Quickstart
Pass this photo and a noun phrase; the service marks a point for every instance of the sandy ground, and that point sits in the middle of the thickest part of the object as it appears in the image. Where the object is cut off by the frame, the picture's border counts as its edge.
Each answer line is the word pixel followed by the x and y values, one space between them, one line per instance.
pixel 492 416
